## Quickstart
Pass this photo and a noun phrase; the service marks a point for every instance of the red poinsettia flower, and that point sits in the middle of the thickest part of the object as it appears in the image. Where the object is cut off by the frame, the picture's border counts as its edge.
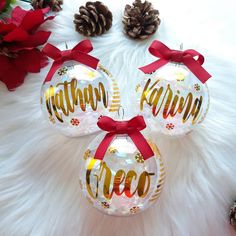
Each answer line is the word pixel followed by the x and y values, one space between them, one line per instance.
pixel 19 40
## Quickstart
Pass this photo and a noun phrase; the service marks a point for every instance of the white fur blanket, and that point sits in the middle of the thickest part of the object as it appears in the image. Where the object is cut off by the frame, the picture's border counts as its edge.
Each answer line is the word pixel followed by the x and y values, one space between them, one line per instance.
pixel 39 190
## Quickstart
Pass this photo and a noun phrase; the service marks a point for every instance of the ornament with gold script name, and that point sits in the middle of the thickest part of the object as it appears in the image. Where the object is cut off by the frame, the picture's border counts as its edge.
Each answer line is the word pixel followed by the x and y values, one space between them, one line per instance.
pixel 123 183
pixel 76 96
pixel 172 99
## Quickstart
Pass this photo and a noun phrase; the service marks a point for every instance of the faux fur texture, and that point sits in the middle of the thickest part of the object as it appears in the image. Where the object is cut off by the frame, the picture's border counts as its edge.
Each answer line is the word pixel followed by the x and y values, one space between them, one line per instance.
pixel 39 190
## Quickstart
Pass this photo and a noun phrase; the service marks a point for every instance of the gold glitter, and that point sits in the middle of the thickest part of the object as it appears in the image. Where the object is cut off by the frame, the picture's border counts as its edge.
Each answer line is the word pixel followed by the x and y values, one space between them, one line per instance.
pixel 138 88
pixel 91 74
pixel 112 150
pixel 180 76
pixel 139 158
pixel 52 119
pixel 87 154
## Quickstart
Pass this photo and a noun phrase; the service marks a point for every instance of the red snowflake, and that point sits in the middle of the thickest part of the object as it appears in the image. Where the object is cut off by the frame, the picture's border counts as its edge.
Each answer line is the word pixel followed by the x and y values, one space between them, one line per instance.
pixel 74 121
pixel 170 126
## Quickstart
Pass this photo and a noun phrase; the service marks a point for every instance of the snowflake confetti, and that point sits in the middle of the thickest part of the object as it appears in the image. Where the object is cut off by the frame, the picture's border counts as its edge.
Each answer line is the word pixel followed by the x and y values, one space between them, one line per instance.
pixel 87 154
pixel 197 87
pixel 134 209
pixel 62 71
pixel 139 158
pixel 105 205
pixel 170 126
pixel 74 121
pixel 51 118
pixel 112 150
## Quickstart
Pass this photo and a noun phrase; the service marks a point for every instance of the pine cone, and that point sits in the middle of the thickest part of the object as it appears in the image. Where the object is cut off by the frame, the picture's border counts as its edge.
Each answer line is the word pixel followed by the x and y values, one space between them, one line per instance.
pixel 232 215
pixel 55 5
pixel 93 19
pixel 140 20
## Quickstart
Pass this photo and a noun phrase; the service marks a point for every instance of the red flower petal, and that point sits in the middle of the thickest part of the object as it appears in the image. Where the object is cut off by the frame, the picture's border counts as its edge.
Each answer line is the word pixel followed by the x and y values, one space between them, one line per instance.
pixel 17 34
pixel 29 20
pixel 17 16
pixel 5 64
pixel 39 38
pixel 30 60
pixel 32 19
pixel 14 70
pixel 6 28
pixel 13 76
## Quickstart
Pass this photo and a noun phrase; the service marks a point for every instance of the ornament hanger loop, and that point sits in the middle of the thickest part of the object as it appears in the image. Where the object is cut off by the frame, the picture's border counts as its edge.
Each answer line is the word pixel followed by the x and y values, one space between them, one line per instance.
pixel 121 109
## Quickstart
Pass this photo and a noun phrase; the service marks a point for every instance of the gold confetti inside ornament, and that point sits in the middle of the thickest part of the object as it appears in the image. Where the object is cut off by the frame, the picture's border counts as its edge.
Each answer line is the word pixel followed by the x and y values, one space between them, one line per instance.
pixel 87 154
pixel 122 183
pixel 77 95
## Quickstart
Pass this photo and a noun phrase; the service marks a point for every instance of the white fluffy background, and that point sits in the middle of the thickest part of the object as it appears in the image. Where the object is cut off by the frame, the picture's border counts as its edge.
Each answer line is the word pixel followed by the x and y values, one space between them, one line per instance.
pixel 39 190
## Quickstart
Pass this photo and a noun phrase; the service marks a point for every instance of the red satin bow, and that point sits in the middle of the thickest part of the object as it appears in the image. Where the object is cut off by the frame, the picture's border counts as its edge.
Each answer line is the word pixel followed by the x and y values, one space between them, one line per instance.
pixel 78 53
pixel 131 128
pixel 186 57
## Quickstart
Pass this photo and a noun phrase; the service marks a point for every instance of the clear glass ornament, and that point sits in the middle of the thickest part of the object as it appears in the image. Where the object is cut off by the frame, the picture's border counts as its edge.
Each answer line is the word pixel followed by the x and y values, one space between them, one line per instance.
pixel 76 96
pixel 123 183
pixel 172 99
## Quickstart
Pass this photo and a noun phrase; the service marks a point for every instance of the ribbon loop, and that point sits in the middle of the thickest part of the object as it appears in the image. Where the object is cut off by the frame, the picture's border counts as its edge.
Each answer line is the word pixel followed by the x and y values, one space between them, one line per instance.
pixel 79 53
pixel 52 51
pixel 187 57
pixel 131 128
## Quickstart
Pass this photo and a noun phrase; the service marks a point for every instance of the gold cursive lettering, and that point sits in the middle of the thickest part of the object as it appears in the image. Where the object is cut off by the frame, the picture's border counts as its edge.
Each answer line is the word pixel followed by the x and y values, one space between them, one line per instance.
pixel 64 97
pixel 163 99
pixel 117 187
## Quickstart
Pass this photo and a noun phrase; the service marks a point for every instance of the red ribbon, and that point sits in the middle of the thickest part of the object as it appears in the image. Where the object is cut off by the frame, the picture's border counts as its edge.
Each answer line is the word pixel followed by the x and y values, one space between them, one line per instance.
pixel 79 53
pixel 186 57
pixel 131 128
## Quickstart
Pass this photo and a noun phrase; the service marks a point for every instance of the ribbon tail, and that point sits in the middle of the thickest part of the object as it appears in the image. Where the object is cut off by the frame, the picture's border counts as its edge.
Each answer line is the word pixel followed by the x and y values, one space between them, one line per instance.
pixel 86 59
pixel 56 65
pixel 153 66
pixel 103 146
pixel 51 51
pixel 142 144
pixel 197 70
